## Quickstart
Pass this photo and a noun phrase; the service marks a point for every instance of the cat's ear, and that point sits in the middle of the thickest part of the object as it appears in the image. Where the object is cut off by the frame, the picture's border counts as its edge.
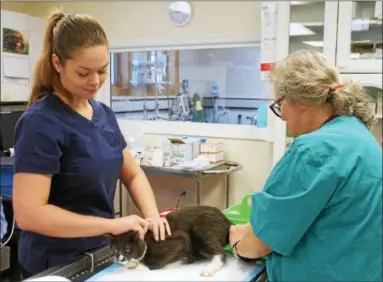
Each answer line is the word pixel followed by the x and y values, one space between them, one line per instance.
pixel 133 236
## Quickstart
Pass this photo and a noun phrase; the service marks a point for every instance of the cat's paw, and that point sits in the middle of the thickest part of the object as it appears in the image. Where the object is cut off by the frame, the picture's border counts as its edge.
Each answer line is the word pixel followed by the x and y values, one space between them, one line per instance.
pixel 131 264
pixel 142 267
pixel 207 272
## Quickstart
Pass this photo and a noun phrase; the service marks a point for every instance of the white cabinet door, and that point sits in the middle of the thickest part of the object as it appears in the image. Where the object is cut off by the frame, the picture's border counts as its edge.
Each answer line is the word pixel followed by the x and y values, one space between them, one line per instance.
pixel 359 48
pixel 312 26
pixel 369 80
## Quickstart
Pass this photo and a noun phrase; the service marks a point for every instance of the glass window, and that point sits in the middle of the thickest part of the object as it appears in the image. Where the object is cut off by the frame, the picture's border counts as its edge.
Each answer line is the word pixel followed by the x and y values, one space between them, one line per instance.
pixel 220 85
pixel 366 30
pixel 307 25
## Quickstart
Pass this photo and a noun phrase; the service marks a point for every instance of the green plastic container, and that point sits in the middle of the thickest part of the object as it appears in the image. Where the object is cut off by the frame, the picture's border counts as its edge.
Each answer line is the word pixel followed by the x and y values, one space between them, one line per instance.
pixel 239 213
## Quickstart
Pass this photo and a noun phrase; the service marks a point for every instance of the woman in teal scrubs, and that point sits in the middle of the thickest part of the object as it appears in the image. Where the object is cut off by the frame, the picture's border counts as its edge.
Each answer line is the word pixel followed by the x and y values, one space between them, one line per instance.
pixel 319 217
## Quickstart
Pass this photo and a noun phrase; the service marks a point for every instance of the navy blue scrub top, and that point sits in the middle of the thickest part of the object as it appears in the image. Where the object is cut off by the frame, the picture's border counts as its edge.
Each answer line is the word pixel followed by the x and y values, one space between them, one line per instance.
pixel 84 158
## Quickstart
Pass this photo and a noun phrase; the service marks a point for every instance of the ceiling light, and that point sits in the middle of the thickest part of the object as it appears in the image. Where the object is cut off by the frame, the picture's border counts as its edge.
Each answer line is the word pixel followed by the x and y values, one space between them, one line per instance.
pixel 297 29
pixel 314 43
pixel 313 24
pixel 299 2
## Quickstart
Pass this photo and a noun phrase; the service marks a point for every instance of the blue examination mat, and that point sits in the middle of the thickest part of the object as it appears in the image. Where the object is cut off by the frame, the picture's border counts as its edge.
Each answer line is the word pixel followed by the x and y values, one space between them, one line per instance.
pixel 234 270
pixel 99 266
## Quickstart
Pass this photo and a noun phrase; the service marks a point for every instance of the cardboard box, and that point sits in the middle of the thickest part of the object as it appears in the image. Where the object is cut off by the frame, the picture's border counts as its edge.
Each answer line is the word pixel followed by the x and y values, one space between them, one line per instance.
pixel 184 149
pixel 214 157
pixel 212 147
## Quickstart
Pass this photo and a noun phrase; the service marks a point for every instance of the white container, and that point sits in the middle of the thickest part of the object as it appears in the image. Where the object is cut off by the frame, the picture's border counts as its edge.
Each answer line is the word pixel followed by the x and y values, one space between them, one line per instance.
pixel 158 157
pixel 184 149
pixel 212 147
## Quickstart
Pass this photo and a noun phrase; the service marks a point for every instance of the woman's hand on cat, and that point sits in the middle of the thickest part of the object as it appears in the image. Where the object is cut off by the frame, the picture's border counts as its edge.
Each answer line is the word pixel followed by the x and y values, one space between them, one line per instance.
pixel 159 226
pixel 237 232
pixel 129 223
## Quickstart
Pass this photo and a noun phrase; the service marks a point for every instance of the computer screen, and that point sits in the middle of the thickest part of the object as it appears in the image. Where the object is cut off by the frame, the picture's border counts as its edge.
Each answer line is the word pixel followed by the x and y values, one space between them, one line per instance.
pixel 8 120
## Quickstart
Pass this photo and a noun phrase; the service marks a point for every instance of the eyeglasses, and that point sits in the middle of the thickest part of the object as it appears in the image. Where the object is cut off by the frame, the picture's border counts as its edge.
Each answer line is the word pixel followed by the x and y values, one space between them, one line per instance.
pixel 276 107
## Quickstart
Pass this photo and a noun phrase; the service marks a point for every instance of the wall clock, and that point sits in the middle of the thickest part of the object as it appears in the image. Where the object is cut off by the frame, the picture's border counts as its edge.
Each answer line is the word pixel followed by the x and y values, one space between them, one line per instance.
pixel 180 13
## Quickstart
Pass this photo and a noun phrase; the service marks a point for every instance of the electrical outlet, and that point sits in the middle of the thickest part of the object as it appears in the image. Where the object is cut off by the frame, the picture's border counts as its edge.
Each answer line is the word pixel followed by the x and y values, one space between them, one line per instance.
pixel 182 198
pixel 177 197
pixel 174 195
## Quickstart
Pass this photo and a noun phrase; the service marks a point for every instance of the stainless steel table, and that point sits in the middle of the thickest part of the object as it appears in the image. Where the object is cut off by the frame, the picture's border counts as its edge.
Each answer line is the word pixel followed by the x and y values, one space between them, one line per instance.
pixel 225 168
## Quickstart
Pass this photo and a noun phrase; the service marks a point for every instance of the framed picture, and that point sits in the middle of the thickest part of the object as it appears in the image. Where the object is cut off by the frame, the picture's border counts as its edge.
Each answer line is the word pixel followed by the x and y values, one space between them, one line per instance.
pixel 15 42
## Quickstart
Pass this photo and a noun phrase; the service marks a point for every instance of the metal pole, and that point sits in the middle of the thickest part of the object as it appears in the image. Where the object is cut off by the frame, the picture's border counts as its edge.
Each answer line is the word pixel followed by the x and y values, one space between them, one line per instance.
pixel 198 190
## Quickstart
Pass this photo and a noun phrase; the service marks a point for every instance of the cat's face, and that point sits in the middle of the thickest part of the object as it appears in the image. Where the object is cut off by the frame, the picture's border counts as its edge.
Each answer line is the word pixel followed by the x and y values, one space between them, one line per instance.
pixel 128 248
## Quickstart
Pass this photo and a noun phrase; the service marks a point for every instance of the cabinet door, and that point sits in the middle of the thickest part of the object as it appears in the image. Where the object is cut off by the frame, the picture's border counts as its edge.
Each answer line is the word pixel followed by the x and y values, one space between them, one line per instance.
pixel 312 27
pixel 359 47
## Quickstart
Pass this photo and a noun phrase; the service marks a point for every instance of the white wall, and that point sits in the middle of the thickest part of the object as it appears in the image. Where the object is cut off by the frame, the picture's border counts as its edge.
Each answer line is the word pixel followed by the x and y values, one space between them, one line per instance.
pixel 14 89
pixel 147 20
pixel 31 8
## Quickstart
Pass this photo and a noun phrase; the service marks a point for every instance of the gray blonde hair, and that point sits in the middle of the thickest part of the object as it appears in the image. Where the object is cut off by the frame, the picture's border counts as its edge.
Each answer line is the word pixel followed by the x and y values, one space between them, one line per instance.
pixel 307 76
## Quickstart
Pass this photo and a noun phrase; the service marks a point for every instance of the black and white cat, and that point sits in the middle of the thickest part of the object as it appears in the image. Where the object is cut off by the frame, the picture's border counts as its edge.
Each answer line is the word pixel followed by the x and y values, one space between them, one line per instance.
pixel 198 233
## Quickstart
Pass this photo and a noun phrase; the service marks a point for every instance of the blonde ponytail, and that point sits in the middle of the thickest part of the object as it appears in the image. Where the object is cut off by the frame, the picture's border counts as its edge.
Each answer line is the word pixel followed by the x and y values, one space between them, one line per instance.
pixel 352 99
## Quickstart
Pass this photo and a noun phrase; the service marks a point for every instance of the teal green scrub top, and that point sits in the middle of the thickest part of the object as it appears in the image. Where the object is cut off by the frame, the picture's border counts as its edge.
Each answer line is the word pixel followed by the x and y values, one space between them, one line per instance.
pixel 321 207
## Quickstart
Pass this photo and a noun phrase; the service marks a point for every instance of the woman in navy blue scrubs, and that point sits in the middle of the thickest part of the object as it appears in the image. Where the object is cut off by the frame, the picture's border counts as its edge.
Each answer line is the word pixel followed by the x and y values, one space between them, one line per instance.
pixel 69 153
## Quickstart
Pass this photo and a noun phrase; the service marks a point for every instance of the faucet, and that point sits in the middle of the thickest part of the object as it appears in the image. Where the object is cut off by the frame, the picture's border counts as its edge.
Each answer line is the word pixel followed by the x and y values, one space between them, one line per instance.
pixel 253 119
pixel 223 113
